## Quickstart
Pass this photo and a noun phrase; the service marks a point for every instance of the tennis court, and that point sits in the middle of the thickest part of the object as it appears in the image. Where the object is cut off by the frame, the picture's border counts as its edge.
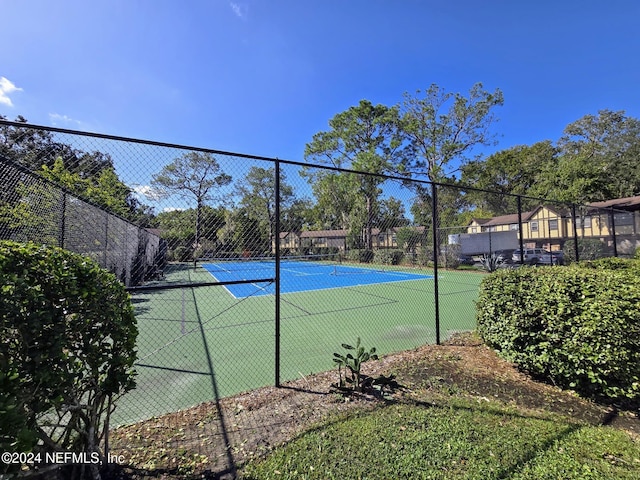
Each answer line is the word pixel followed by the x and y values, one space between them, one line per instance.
pixel 196 342
pixel 302 273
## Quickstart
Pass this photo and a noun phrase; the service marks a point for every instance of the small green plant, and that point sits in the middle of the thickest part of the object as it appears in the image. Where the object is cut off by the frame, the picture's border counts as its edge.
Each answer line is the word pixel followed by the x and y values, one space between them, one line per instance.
pixel 490 263
pixel 349 366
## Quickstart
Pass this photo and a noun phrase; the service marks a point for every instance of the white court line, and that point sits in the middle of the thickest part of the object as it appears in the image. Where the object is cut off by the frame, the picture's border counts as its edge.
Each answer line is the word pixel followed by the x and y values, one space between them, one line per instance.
pixel 404 277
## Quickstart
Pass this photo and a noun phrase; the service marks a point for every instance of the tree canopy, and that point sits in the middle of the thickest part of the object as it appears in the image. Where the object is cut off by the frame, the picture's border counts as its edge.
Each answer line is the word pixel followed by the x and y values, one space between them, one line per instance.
pixel 194 175
pixel 257 192
pixel 441 127
pixel 363 138
pixel 433 135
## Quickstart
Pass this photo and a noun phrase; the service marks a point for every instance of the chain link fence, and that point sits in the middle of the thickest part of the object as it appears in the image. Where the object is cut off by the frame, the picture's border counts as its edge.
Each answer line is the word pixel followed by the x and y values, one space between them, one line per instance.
pixel 248 272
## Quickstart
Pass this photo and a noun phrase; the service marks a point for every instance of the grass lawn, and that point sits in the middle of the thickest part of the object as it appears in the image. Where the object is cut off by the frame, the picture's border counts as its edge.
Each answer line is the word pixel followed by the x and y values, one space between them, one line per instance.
pixel 463 414
pixel 470 440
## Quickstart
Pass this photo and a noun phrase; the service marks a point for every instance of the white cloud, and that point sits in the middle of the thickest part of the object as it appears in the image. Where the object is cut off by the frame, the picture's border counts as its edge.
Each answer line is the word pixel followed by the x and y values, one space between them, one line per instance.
pixel 148 192
pixel 239 10
pixel 172 209
pixel 56 118
pixel 7 87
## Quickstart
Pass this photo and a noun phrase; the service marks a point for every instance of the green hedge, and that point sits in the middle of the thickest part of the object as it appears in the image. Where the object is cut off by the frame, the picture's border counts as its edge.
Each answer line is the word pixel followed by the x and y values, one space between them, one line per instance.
pixel 359 255
pixel 610 263
pixel 577 327
pixel 388 257
pixel 67 344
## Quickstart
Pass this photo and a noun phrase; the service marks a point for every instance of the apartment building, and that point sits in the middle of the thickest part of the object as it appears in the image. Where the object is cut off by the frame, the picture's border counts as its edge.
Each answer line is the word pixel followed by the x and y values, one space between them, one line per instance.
pixel 550 227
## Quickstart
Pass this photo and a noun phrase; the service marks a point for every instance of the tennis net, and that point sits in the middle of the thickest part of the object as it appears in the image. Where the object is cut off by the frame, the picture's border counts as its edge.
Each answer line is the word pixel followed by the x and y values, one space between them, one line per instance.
pixel 240 263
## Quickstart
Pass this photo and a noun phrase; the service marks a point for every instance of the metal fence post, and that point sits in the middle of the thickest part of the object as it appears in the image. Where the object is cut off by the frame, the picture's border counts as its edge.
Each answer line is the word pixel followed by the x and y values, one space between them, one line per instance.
pixel 575 232
pixel 277 272
pixel 106 241
pixel 520 231
pixel 613 232
pixel 63 214
pixel 434 206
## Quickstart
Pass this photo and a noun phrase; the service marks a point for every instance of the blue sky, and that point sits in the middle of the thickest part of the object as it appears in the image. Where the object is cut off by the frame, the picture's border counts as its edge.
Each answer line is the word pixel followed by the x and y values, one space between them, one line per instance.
pixel 261 77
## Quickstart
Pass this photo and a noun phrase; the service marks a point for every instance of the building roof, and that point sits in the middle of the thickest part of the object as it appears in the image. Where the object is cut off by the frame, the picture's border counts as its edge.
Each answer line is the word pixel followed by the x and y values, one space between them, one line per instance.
pixel 343 233
pixel 626 203
pixel 324 233
pixel 504 219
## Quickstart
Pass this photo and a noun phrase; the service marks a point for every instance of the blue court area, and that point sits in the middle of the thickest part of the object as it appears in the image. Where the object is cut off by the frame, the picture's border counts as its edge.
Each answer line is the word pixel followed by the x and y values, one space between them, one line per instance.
pixel 300 276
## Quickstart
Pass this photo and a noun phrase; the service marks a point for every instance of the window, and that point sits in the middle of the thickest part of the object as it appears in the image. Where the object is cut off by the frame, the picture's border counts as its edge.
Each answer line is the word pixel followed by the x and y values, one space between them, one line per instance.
pixel 587 222
pixel 474 229
pixel 553 224
pixel 394 239
pixel 623 219
pixel 534 226
pixel 513 226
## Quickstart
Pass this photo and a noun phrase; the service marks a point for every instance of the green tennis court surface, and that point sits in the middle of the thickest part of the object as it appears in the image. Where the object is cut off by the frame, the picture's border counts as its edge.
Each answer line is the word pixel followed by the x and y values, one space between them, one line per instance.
pixel 176 371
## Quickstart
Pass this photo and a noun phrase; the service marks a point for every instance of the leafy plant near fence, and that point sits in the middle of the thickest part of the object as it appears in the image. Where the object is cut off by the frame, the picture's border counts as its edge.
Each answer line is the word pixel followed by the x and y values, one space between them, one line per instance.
pixel 67 347
pixel 350 365
pixel 490 263
pixel 577 327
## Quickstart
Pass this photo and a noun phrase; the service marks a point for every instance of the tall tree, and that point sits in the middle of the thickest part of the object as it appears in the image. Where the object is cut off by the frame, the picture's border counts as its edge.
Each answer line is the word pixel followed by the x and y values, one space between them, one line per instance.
pixel 90 175
pixel 391 214
pixel 336 196
pixel 258 196
pixel 178 227
pixel 194 175
pixel 364 138
pixel 442 127
pixel 241 233
pixel 599 158
pixel 443 130
pixel 514 171
pixel 297 216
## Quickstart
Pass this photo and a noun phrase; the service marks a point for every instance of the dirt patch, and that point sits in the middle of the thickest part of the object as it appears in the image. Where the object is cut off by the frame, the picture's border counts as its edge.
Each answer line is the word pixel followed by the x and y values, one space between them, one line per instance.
pixel 192 443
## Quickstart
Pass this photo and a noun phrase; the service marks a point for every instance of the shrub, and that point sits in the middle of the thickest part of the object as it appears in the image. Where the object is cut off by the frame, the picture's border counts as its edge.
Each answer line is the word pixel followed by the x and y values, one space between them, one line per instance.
pixel 577 327
pixel 588 249
pixel 610 263
pixel 490 262
pixel 388 257
pixel 67 349
pixel 360 255
pixel 450 256
pixel 424 255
